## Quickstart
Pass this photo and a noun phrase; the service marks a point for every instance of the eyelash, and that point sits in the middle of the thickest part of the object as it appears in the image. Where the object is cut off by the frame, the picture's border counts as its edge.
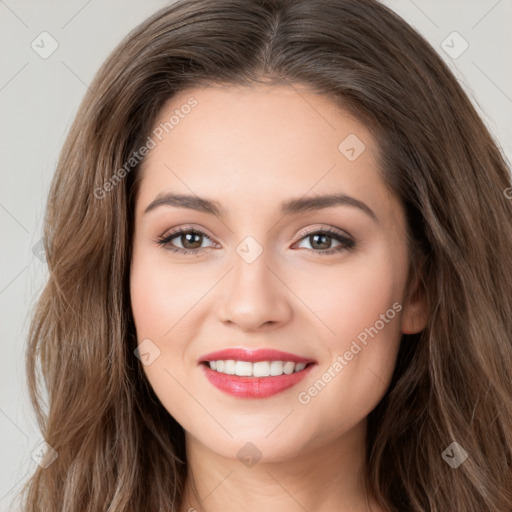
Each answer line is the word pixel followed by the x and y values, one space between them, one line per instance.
pixel 164 241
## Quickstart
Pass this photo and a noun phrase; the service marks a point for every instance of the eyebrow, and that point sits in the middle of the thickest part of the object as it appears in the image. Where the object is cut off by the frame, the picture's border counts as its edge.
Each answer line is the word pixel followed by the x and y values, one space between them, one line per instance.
pixel 289 207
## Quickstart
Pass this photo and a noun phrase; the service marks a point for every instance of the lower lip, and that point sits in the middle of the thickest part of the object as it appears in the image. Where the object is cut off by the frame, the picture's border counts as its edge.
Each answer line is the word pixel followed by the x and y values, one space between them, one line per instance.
pixel 253 387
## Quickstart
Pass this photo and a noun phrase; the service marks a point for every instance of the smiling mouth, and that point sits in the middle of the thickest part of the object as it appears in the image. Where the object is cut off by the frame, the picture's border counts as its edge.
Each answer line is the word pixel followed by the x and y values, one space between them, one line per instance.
pixel 257 369
pixel 255 380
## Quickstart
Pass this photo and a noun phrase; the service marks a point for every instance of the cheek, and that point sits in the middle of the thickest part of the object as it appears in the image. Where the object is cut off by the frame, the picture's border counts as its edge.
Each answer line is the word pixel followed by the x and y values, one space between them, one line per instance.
pixel 362 312
pixel 351 298
pixel 163 297
pixel 149 299
pixel 160 294
pixel 157 309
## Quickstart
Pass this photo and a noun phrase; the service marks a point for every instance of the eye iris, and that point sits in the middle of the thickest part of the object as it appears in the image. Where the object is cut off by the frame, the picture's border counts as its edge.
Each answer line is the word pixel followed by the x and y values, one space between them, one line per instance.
pixel 324 244
pixel 188 237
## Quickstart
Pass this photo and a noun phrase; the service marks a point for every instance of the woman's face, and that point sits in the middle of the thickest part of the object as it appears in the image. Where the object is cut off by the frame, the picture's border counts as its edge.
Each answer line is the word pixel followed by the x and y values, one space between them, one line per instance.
pixel 256 275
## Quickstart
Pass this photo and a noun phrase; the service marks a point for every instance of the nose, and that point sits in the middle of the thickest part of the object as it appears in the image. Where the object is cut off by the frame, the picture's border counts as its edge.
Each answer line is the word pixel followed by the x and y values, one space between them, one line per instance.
pixel 255 296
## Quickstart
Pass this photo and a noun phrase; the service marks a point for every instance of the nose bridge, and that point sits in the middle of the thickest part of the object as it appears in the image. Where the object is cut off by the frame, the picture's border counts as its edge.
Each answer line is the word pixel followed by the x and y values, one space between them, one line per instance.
pixel 251 266
pixel 254 295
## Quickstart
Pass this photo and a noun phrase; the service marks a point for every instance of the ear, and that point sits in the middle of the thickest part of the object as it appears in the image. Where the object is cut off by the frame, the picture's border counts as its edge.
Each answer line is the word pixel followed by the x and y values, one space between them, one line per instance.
pixel 416 310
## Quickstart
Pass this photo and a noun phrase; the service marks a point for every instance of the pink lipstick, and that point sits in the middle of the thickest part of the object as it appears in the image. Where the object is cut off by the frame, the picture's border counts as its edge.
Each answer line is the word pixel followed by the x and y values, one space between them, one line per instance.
pixel 250 386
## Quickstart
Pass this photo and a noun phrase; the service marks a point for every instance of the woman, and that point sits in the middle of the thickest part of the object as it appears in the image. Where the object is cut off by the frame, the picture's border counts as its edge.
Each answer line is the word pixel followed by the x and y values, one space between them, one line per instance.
pixel 199 356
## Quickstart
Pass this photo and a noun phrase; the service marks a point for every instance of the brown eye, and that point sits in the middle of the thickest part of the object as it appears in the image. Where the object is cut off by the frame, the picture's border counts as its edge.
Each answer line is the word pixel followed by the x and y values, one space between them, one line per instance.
pixel 190 240
pixel 321 241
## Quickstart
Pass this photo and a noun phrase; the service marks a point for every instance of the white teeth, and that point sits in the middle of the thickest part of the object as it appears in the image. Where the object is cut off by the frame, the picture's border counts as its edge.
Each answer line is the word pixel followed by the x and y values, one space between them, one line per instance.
pixel 258 369
pixel 243 368
pixel 261 369
pixel 276 367
pixel 229 367
pixel 288 367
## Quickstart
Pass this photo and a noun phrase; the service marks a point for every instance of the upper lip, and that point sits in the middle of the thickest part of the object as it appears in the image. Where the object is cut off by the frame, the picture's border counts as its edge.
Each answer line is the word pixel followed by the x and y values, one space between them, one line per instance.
pixel 253 356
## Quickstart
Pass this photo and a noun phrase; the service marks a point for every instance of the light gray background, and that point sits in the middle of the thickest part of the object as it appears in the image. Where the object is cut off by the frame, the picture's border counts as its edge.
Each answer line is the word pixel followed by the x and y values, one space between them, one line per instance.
pixel 38 100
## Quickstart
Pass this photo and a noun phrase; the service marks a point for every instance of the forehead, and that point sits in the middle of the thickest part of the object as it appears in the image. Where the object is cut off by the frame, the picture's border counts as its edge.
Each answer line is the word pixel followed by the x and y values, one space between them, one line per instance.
pixel 279 118
pixel 259 145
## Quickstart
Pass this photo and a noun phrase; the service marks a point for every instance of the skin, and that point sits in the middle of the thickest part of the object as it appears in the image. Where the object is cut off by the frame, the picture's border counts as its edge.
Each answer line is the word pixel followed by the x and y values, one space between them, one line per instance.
pixel 250 149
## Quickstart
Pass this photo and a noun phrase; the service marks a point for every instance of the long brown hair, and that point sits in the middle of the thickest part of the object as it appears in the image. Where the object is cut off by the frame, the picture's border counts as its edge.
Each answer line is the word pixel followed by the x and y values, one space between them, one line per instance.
pixel 118 448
